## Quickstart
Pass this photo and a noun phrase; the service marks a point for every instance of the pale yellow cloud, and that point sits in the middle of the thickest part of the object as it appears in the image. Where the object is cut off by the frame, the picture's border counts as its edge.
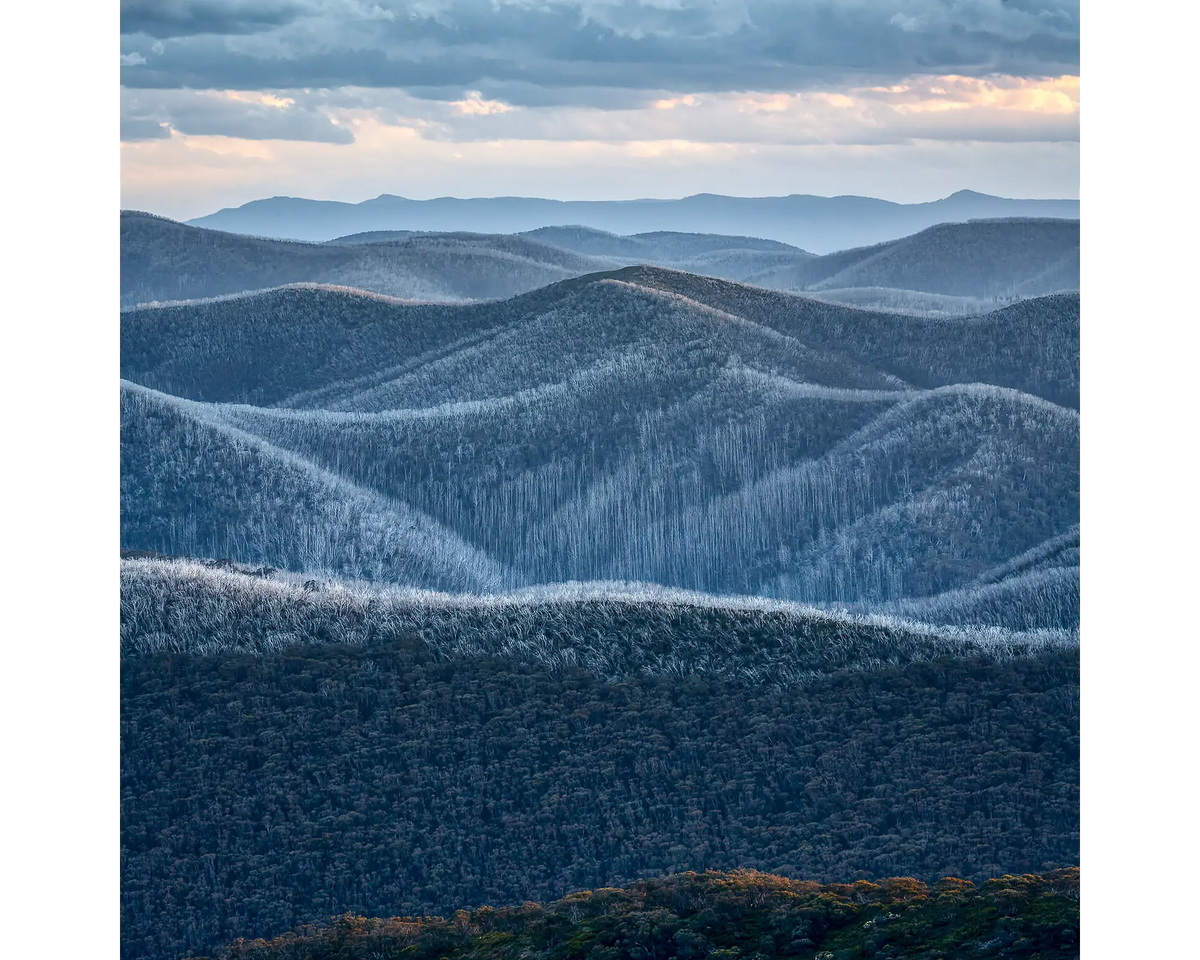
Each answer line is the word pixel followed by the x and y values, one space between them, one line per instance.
pixel 688 101
pixel 662 148
pixel 766 103
pixel 253 96
pixel 475 106
pixel 832 141
pixel 1058 95
pixel 233 147
pixel 839 100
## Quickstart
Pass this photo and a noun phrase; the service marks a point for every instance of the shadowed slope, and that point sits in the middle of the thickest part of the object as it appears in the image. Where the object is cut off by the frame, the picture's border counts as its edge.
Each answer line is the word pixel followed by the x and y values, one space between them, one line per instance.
pixel 717 478
pixel 193 485
pixel 272 345
pixel 981 258
pixel 1031 346
pixel 165 260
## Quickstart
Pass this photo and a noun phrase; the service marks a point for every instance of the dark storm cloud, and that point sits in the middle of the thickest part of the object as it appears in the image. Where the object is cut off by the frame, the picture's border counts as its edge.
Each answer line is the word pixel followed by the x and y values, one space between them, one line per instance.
pixel 581 51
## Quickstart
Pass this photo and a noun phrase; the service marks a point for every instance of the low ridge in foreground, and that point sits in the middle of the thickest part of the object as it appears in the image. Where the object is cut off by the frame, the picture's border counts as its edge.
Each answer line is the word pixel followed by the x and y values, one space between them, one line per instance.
pixel 727 916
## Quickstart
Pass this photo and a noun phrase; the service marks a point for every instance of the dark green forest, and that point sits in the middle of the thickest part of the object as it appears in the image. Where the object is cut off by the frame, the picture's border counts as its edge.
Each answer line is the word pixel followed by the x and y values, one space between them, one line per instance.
pixel 724 915
pixel 263 791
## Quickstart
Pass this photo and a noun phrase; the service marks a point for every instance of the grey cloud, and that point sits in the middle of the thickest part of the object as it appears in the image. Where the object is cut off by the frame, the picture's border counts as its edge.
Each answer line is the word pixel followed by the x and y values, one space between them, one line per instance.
pixel 138 128
pixel 516 93
pixel 184 18
pixel 210 114
pixel 870 125
pixel 593 47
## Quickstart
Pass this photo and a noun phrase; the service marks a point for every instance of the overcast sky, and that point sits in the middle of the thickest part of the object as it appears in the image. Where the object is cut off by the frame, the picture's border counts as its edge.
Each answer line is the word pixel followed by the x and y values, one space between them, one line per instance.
pixel 225 101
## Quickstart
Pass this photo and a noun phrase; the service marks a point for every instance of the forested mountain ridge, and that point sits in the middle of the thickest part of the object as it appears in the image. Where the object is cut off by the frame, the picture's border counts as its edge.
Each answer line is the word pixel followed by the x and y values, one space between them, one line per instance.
pixel 294 750
pixel 616 631
pixel 879 515
pixel 267 346
pixel 980 258
pixel 980 261
pixel 952 269
pixel 637 425
pixel 165 260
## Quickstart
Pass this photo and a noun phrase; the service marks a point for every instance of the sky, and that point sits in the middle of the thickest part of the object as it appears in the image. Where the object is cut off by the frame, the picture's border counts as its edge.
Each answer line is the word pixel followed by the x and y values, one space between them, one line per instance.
pixel 226 101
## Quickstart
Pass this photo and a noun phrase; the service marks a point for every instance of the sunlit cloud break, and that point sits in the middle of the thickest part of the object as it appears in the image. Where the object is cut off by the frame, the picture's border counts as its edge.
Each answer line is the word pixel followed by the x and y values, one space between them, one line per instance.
pixel 598 79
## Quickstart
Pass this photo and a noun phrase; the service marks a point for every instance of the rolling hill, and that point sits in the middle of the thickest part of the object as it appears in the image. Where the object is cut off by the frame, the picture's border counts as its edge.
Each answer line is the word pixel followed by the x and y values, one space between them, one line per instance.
pixel 162 260
pixel 981 259
pixel 955 269
pixel 193 484
pixel 278 344
pixel 644 425
pixel 165 260
pixel 294 750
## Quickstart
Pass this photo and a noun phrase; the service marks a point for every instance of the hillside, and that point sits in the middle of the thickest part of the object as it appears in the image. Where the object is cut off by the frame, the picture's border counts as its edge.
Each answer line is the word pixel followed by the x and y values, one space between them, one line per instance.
pixel 978 259
pixel 731 258
pixel 643 425
pixel 817 224
pixel 1031 346
pixel 615 631
pixel 728 915
pixel 295 750
pixel 275 344
pixel 806 516
pixel 954 269
pixel 162 260
pixel 165 260
pixel 192 484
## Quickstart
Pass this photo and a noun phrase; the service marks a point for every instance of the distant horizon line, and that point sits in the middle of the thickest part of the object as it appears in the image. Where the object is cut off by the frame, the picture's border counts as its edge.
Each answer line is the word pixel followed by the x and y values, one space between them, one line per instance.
pixel 690 196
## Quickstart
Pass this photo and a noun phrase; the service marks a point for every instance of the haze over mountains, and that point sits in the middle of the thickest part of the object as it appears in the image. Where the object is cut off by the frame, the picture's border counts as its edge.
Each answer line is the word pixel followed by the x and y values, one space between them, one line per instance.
pixel 817 224
pixel 467 569
pixel 949 269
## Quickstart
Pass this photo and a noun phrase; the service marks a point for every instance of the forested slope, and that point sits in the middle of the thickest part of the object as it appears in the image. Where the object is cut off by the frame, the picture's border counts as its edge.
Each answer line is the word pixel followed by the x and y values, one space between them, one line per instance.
pixel 165 260
pixel 955 268
pixel 646 425
pixel 980 258
pixel 262 347
pixel 293 752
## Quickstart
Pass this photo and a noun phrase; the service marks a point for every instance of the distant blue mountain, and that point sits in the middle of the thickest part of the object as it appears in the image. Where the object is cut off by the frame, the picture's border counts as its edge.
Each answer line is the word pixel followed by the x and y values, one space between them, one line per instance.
pixel 817 224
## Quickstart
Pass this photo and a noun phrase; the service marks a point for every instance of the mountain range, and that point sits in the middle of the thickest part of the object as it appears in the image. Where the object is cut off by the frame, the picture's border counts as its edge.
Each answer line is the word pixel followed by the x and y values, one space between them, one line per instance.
pixel 816 224
pixel 634 425
pixel 949 269
pixel 559 559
